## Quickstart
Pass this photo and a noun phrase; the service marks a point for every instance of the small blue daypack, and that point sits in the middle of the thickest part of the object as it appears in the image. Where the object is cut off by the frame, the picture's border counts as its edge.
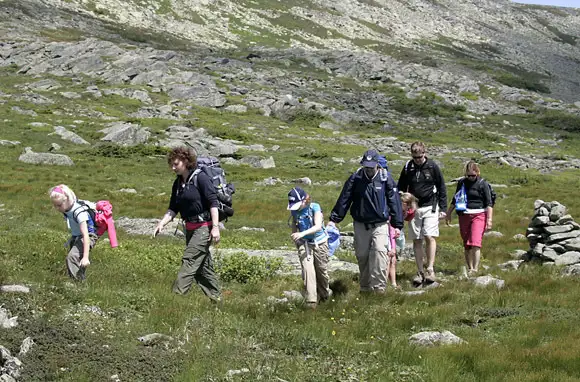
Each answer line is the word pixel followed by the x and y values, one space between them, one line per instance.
pixel 333 239
pixel 461 199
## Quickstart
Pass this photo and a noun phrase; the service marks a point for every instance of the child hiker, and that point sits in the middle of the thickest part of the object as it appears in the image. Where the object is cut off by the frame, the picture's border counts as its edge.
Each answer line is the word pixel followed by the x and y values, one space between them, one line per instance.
pixel 312 243
pixel 81 226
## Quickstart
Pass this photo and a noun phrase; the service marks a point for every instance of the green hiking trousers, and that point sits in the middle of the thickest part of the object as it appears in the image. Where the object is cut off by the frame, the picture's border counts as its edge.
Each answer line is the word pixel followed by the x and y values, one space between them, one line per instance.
pixel 197 265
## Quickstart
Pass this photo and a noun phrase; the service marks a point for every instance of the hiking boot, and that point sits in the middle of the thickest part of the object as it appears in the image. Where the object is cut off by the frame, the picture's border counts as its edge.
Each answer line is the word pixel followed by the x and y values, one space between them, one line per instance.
pixel 310 305
pixel 430 276
pixel 418 279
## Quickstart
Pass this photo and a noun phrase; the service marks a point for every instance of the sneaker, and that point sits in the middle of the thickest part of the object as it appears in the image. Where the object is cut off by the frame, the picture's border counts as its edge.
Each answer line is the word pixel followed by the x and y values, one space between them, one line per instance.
pixel 418 279
pixel 430 277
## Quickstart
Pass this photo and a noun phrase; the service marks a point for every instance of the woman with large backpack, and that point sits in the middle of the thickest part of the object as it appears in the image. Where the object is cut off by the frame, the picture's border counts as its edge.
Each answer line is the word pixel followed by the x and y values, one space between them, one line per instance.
pixel 473 203
pixel 82 227
pixel 311 240
pixel 197 203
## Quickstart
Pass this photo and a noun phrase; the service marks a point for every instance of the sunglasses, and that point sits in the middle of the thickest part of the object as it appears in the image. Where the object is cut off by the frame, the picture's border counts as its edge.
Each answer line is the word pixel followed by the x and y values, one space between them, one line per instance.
pixel 472 176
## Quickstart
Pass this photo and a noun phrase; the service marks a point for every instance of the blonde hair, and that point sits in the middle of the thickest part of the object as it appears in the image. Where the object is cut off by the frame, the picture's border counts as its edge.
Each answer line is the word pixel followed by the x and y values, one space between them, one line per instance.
pixel 409 199
pixel 62 193
pixel 473 166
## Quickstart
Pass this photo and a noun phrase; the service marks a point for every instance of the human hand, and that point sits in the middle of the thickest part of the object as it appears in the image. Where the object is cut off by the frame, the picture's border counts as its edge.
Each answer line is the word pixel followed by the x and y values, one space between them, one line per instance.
pixel 488 225
pixel 397 233
pixel 448 220
pixel 157 229
pixel 85 262
pixel 214 234
pixel 442 215
pixel 331 223
pixel 296 236
pixel 391 253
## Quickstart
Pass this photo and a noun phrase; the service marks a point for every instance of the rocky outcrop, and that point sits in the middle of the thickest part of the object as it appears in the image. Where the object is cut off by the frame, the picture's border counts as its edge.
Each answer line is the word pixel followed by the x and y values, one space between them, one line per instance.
pixel 553 235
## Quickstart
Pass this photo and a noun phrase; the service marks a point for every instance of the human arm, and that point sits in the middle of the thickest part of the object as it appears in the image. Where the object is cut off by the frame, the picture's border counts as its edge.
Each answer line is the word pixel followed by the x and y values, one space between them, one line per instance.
pixel 395 204
pixel 488 204
pixel 317 226
pixel 169 215
pixel 343 202
pixel 452 204
pixel 85 262
pixel 441 188
pixel 403 183
pixel 214 233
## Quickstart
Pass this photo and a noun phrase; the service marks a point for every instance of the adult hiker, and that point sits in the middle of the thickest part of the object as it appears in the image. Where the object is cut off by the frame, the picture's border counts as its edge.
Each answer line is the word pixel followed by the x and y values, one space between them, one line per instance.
pixel 197 203
pixel 311 241
pixel 422 177
pixel 82 228
pixel 372 200
pixel 474 206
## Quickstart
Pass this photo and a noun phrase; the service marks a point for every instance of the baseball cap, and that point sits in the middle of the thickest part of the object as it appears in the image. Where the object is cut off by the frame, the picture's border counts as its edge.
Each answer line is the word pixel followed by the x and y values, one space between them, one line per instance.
pixel 370 158
pixel 295 198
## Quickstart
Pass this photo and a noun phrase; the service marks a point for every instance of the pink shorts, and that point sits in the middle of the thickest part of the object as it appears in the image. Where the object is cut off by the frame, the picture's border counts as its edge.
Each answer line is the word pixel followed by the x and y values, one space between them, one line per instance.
pixel 472 227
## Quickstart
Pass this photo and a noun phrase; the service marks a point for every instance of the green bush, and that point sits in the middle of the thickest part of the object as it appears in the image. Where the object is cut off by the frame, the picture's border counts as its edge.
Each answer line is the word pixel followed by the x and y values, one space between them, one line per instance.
pixel 561 120
pixel 110 150
pixel 522 83
pixel 243 268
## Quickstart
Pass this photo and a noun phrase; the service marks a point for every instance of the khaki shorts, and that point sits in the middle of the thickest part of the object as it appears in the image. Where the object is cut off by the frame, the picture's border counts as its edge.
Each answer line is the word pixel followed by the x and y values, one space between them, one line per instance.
pixel 425 223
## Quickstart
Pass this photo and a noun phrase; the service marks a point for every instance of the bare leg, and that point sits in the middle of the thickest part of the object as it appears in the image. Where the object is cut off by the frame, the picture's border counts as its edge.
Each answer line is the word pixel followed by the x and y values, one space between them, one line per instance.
pixel 431 249
pixel 419 254
pixel 393 271
pixel 476 256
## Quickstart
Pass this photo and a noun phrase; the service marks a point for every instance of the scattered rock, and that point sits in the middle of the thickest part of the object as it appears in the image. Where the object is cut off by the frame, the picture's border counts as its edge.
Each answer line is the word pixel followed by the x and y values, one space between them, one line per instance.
pixel 45 158
pixel 488 280
pixel 26 345
pixel 155 339
pixel 69 136
pixel 435 338
pixel 15 288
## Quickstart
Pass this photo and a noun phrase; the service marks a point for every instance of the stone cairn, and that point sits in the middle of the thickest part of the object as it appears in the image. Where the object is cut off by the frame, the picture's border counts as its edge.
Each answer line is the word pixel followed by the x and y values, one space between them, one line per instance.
pixel 554 236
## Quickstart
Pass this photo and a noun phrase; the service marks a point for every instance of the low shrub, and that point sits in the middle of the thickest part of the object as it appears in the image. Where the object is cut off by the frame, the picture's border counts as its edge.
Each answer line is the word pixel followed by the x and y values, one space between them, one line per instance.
pixel 560 120
pixel 243 268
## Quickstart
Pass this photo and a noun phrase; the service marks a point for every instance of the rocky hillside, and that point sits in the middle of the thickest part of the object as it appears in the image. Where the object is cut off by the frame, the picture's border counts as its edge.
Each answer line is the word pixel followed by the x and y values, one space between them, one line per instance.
pixel 450 46
pixel 395 66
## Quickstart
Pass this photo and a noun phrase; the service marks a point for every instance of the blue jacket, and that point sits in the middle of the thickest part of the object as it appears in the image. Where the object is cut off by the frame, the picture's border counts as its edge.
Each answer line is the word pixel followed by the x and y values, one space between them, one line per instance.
pixel 370 200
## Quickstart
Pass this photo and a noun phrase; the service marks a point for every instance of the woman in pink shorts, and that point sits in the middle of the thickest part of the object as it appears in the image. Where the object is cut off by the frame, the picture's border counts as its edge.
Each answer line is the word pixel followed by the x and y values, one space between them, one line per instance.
pixel 475 217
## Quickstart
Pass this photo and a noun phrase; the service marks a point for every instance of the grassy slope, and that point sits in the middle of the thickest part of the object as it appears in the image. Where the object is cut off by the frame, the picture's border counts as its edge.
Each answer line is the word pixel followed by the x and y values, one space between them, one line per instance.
pixel 517 333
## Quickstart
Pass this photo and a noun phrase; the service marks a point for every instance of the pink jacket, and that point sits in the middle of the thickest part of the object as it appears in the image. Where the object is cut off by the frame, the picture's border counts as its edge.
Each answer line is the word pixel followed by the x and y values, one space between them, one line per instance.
pixel 104 221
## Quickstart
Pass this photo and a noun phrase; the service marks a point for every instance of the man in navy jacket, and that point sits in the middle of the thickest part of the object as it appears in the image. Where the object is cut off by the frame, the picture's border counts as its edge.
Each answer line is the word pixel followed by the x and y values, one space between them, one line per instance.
pixel 373 200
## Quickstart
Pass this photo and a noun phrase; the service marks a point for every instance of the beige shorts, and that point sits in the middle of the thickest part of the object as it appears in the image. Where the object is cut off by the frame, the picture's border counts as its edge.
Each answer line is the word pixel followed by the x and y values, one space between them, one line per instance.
pixel 425 223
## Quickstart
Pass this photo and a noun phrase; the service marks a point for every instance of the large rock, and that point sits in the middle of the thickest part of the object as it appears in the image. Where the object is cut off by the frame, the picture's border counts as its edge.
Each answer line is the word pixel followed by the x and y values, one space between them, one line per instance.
pixel 125 134
pixel 45 158
pixel 568 258
pixel 573 245
pixel 199 95
pixel 558 211
pixel 69 136
pixel 558 228
pixel 563 236
pixel 435 338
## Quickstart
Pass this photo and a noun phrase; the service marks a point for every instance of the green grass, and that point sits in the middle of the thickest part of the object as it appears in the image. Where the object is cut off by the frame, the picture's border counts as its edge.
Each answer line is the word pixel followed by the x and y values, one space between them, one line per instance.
pixel 527 331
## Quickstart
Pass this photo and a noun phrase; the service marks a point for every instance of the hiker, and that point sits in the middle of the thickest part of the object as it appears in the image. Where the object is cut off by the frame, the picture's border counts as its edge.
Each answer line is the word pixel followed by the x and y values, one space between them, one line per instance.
pixel 82 228
pixel 392 242
pixel 372 201
pixel 311 241
pixel 423 179
pixel 198 207
pixel 475 217
pixel 408 204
